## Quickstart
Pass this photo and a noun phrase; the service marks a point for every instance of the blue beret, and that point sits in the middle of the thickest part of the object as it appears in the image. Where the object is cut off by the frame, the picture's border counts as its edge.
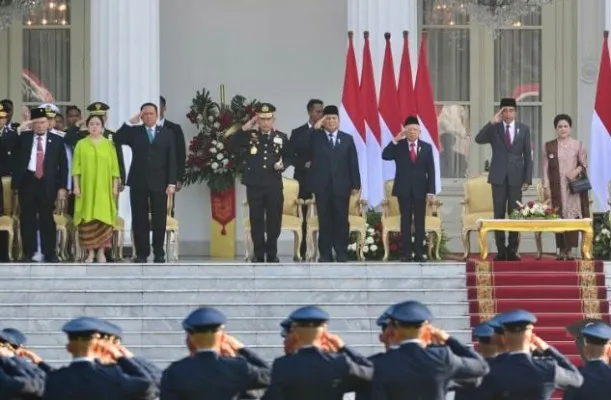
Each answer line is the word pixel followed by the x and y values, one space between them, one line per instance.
pixel 6 337
pixel 309 313
pixel 16 337
pixel 516 317
pixel 483 330
pixel 411 312
pixel 83 325
pixel 111 329
pixel 204 317
pixel 597 330
pixel 286 327
pixel 383 319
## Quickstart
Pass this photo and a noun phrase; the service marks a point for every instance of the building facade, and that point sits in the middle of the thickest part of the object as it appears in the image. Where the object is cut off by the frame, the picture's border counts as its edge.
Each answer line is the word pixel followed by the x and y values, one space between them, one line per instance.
pixel 128 52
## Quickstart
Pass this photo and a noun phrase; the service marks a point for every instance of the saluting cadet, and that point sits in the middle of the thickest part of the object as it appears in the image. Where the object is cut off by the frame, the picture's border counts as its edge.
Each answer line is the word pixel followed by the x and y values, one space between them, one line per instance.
pixel 86 379
pixel 18 369
pixel 415 367
pixel 314 372
pixel 289 339
pixel 596 371
pixel 518 375
pixel 208 373
pixel 17 341
pixel 267 156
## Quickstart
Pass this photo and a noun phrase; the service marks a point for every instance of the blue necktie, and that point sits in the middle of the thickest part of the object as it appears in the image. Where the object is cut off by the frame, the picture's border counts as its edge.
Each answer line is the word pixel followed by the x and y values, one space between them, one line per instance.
pixel 151 134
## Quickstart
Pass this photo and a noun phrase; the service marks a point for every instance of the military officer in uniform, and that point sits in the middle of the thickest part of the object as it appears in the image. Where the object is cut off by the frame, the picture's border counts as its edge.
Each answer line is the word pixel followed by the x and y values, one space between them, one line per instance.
pixel 415 367
pixel 322 367
pixel 207 373
pixel 519 375
pixel 596 371
pixel 267 156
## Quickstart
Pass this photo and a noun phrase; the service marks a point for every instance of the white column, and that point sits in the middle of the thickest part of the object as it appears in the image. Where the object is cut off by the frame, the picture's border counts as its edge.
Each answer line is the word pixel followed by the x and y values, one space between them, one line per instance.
pixel 124 65
pixel 379 17
pixel 607 15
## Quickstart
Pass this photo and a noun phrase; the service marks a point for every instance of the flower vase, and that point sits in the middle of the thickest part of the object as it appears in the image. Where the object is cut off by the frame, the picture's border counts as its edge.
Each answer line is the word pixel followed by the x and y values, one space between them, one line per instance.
pixel 222 223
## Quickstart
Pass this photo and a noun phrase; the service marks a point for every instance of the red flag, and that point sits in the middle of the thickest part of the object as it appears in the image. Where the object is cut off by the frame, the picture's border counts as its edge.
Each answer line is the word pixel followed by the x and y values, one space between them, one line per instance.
pixel 351 119
pixel 391 115
pixel 407 101
pixel 369 107
pixel 425 107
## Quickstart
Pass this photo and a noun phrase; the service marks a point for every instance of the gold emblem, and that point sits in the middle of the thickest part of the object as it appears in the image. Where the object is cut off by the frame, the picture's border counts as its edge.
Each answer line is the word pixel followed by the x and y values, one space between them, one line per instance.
pixel 265 109
pixel 551 156
pixel 253 150
pixel 98 106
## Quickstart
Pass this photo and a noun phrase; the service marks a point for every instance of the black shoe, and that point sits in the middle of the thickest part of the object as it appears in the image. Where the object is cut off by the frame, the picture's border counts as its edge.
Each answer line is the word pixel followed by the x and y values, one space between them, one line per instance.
pixel 406 259
pixel 258 259
pixel 51 259
pixel 159 260
pixel 513 257
pixel 140 260
pixel 500 257
pixel 273 259
pixel 419 259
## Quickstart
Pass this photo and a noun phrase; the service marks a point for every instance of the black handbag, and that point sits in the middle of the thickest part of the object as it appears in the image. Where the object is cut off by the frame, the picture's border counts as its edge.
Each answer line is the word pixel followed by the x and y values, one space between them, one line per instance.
pixel 581 184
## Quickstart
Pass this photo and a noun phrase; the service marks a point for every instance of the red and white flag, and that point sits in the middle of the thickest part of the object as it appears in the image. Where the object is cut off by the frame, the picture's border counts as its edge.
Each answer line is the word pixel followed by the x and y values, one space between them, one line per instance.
pixel 369 107
pixel 350 116
pixel 390 113
pixel 425 106
pixel 599 170
pixel 405 91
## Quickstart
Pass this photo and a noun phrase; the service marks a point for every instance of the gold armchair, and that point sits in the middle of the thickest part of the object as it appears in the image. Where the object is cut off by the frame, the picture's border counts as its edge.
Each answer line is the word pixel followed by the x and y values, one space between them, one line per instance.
pixel 172 228
pixel 9 221
pixel 65 228
pixel 391 221
pixel 357 220
pixel 292 218
pixel 476 204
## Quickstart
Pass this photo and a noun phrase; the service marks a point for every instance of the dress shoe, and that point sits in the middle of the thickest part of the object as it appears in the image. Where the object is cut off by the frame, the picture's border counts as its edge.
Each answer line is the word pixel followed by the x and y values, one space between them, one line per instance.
pixel 273 259
pixel 51 259
pixel 406 259
pixel 159 260
pixel 258 259
pixel 140 260
pixel 513 257
pixel 500 257
pixel 419 259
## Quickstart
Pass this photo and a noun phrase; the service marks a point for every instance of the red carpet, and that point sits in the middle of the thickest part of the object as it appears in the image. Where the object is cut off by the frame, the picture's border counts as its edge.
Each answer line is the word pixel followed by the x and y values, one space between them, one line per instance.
pixel 559 293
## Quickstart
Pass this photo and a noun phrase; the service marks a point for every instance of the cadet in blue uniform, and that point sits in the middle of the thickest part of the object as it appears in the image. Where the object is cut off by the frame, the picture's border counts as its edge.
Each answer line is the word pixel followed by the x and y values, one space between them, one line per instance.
pixel 596 371
pixel 415 368
pixel 518 375
pixel 86 379
pixel 311 372
pixel 267 156
pixel 21 377
pixel 207 374
pixel 17 341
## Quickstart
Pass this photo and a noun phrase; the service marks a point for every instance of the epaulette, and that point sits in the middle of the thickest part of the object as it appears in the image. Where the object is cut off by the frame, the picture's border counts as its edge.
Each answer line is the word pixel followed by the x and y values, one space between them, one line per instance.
pixel 58 133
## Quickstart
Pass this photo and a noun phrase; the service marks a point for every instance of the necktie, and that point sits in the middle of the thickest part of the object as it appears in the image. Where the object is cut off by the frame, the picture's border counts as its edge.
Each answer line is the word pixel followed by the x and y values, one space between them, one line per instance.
pixel 507 135
pixel 151 134
pixel 412 152
pixel 40 158
pixel 331 141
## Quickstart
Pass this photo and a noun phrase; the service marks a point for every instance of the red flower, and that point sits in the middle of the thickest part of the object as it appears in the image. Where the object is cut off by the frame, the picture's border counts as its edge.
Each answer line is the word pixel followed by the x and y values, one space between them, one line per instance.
pixel 378 227
pixel 531 203
pixel 249 110
pixel 225 120
pixel 192 116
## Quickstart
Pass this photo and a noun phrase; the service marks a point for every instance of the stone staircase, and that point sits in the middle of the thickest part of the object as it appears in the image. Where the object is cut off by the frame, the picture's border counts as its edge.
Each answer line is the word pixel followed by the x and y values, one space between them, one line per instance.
pixel 150 301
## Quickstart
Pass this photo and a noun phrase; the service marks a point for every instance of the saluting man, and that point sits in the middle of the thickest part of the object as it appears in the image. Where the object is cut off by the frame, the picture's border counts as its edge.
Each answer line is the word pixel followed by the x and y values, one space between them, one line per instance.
pixel 267 156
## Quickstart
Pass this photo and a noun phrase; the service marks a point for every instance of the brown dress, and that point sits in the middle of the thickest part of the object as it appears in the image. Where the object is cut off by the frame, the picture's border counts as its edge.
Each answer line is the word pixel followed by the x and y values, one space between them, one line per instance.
pixel 560 161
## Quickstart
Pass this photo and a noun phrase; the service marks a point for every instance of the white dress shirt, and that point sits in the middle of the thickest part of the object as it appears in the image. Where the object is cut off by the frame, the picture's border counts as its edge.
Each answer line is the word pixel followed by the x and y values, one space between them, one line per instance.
pixel 32 163
pixel 333 137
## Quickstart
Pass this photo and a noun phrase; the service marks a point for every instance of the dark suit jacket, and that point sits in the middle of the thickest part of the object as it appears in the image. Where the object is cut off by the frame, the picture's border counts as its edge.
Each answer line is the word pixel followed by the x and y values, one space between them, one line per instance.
pixel 7 141
pixel 426 371
pixel 55 162
pixel 336 169
pixel 313 374
pixel 153 165
pixel 179 147
pixel 512 164
pixel 411 179
pixel 209 376
pixel 300 158
pixel 522 376
pixel 596 382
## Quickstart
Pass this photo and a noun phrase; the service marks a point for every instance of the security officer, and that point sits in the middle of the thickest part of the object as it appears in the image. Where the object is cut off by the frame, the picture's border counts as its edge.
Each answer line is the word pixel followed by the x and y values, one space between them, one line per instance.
pixel 267 156
pixel 314 372
pixel 519 375
pixel 596 371
pixel 415 367
pixel 208 374
pixel 86 379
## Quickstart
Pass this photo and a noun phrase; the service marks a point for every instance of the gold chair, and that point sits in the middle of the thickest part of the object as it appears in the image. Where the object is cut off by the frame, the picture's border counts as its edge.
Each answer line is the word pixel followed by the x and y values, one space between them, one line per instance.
pixel 292 218
pixel 357 220
pixel 64 226
pixel 476 204
pixel 172 229
pixel 391 221
pixel 9 221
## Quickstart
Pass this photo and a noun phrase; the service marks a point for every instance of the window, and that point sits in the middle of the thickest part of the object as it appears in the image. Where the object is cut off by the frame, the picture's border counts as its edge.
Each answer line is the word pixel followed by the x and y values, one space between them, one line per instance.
pixel 449 43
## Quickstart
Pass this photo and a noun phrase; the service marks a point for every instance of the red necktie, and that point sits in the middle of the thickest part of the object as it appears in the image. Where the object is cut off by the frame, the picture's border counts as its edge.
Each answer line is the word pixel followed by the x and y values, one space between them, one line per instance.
pixel 412 152
pixel 507 136
pixel 40 159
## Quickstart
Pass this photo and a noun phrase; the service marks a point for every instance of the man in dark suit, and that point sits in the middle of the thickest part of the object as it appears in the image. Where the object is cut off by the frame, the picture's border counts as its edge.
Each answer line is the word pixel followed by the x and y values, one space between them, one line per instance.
pixel 511 169
pixel 39 177
pixel 179 143
pixel 152 178
pixel 414 184
pixel 267 157
pixel 519 375
pixel 333 176
pixel 301 161
pixel 414 367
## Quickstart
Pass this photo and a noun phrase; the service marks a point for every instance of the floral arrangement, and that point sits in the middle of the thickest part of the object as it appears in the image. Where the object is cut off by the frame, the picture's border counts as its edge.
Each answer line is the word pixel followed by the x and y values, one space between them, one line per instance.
pixel 373 249
pixel 534 210
pixel 208 159
pixel 602 238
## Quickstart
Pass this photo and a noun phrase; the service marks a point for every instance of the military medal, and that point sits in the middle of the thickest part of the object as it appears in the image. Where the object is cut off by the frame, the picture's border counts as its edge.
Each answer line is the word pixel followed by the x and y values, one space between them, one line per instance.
pixel 253 150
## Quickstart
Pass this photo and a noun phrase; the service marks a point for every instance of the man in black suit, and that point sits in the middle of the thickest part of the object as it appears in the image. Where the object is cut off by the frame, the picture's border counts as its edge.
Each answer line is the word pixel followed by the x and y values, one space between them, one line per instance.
pixel 152 177
pixel 511 169
pixel 301 161
pixel 414 184
pixel 39 177
pixel 333 176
